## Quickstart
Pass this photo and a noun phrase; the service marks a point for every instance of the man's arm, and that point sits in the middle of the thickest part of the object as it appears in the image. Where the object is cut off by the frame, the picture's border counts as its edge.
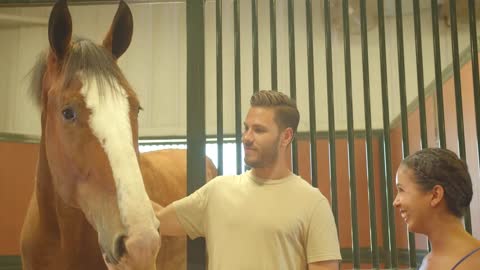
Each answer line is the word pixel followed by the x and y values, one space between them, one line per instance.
pixel 169 224
pixel 323 265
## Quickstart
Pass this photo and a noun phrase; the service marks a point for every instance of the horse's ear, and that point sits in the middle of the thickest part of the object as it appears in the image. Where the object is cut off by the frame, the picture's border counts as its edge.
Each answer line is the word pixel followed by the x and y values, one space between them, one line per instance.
pixel 120 35
pixel 60 29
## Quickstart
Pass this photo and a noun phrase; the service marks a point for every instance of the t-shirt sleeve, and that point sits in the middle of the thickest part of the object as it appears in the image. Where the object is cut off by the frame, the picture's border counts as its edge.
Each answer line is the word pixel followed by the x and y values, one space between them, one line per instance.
pixel 322 238
pixel 191 211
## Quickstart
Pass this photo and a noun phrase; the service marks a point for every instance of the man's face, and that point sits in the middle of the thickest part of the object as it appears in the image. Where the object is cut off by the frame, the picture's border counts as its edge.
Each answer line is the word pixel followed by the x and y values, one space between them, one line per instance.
pixel 261 137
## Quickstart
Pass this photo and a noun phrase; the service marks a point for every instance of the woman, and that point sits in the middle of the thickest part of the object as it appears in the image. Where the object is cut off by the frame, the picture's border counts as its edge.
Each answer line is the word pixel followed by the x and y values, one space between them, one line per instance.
pixel 434 191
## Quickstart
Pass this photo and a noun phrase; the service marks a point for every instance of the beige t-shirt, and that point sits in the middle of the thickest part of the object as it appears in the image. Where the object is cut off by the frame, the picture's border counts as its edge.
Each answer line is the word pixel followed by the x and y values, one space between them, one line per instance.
pixel 251 223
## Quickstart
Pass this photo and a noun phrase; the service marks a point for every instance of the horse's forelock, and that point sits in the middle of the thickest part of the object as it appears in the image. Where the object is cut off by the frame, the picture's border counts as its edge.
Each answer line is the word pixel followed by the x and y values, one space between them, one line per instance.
pixel 85 57
pixel 94 63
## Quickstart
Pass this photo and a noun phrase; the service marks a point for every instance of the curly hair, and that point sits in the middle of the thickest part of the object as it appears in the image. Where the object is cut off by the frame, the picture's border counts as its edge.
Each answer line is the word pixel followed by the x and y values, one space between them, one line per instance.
pixel 436 166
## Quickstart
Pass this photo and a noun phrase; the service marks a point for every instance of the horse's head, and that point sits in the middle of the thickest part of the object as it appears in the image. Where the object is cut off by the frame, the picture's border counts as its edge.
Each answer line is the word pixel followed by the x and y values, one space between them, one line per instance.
pixel 90 131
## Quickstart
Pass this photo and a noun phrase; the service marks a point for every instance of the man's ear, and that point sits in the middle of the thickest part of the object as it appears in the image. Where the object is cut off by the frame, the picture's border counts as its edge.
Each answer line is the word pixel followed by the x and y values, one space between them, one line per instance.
pixel 287 136
pixel 438 193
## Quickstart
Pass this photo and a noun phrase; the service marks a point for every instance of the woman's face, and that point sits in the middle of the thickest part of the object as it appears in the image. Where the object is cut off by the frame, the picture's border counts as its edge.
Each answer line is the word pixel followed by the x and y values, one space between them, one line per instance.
pixel 412 201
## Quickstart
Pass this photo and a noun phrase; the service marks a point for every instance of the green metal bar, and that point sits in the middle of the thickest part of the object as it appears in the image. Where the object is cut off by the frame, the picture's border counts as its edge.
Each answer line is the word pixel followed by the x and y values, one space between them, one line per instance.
pixel 238 94
pixel 273 42
pixel 256 84
pixel 404 113
pixel 195 117
pixel 332 156
pixel 458 96
pixel 420 82
pixel 392 258
pixel 474 52
pixel 311 94
pixel 368 136
pixel 438 75
pixel 218 12
pixel 350 135
pixel 293 75
pixel 387 258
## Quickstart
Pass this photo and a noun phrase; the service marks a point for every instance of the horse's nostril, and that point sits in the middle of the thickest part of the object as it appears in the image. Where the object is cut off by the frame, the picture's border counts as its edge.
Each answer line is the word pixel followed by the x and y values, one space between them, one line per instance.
pixel 119 249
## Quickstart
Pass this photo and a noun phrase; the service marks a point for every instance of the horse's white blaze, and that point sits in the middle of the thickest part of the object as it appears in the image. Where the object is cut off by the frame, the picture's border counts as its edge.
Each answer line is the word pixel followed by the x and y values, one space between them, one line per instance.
pixel 110 123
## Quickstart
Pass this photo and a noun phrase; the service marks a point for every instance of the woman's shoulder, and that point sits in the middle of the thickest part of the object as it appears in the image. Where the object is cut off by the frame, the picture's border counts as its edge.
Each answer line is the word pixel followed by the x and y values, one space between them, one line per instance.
pixel 470 260
pixel 461 257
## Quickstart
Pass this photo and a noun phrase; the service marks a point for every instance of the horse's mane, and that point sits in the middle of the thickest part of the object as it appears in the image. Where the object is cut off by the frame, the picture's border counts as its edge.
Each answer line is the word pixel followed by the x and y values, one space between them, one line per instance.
pixel 36 77
pixel 93 61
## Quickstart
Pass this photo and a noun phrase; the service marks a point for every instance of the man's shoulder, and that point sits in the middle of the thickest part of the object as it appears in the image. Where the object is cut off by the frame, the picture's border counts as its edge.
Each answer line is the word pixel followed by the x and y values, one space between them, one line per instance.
pixel 304 185
pixel 304 189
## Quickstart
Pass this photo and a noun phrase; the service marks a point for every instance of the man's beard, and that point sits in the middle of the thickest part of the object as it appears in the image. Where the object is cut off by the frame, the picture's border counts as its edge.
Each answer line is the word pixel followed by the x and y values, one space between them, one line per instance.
pixel 265 156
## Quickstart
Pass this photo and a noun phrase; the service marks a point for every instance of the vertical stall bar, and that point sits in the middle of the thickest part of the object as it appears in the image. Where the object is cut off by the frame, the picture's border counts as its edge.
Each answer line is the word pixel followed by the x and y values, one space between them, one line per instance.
pixel 387 258
pixel 218 14
pixel 332 156
pixel 238 94
pixel 350 135
pixel 392 259
pixel 474 52
pixel 458 96
pixel 368 136
pixel 195 117
pixel 404 113
pixel 438 76
pixel 293 75
pixel 311 94
pixel 273 42
pixel 256 74
pixel 420 81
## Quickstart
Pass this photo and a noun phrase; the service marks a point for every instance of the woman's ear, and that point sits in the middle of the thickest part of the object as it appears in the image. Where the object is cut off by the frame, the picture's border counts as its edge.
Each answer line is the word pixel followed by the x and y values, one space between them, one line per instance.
pixel 437 195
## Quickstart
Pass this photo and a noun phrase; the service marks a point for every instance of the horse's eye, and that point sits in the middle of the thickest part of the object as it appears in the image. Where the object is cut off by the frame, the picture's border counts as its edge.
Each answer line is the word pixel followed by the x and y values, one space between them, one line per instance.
pixel 69 114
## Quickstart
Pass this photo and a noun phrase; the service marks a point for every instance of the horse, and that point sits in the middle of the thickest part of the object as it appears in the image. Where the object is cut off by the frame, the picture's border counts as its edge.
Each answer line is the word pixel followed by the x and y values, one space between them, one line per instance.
pixel 93 193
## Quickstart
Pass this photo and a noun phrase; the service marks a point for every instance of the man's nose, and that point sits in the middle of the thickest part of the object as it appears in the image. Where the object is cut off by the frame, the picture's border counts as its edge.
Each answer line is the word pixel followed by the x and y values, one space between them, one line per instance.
pixel 246 136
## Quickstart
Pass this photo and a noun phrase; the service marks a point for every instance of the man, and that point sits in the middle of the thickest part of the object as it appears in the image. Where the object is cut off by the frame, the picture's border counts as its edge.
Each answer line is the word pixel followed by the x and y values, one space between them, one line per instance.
pixel 266 218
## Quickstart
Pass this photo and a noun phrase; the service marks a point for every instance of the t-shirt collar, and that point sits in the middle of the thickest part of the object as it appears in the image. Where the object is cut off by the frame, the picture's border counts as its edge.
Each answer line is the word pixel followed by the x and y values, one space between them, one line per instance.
pixel 263 181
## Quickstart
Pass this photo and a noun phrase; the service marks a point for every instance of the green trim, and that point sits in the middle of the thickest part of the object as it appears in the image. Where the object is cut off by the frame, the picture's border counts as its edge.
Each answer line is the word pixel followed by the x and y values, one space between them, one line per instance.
pixel 10 262
pixel 21 138
pixel 39 3
pixel 447 74
pixel 160 140
pixel 340 134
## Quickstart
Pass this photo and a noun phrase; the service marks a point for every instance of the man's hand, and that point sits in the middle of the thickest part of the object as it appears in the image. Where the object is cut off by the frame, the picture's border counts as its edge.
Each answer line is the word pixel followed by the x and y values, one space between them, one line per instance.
pixel 156 208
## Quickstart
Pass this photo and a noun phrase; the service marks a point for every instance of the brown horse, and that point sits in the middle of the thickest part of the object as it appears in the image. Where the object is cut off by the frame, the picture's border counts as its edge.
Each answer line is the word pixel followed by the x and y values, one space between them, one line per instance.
pixel 92 193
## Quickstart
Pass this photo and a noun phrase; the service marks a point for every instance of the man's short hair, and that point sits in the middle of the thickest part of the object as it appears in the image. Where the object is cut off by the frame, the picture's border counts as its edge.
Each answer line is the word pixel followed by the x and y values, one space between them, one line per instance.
pixel 286 112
